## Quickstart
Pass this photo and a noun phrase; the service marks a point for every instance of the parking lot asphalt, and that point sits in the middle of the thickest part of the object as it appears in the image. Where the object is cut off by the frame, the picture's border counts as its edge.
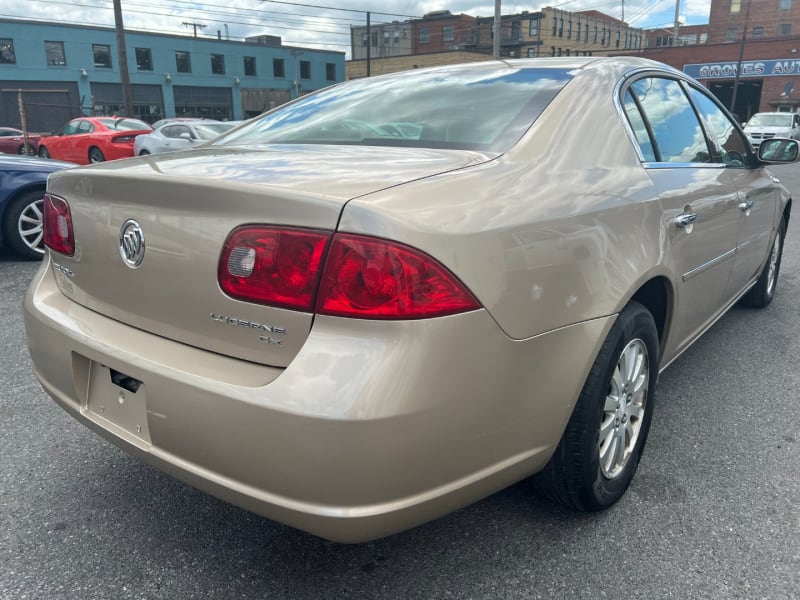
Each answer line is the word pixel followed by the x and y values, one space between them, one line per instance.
pixel 712 512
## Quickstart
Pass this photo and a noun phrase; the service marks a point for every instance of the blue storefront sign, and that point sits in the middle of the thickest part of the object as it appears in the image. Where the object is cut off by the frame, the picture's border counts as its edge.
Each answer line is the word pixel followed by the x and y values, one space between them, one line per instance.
pixel 749 68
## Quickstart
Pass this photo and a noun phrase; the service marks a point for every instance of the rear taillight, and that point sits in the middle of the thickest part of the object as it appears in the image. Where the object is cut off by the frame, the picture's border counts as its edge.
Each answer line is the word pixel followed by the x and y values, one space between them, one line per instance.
pixel 123 139
pixel 362 277
pixel 58 232
pixel 371 278
pixel 270 265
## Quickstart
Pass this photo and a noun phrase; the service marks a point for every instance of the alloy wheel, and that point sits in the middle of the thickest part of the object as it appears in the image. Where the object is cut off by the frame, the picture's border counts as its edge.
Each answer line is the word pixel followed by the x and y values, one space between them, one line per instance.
pixel 624 408
pixel 30 226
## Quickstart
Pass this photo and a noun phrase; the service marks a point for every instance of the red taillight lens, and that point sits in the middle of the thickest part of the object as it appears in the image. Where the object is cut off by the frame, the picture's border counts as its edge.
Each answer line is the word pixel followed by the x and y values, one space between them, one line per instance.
pixel 123 139
pixel 371 278
pixel 58 232
pixel 270 265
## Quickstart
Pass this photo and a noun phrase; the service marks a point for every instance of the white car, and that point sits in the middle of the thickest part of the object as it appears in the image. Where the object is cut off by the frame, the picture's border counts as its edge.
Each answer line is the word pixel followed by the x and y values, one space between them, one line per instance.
pixel 763 126
pixel 180 135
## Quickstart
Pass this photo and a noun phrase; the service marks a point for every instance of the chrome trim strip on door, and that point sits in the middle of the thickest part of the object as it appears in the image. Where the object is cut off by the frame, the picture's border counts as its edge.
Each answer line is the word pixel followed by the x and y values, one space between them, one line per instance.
pixel 708 265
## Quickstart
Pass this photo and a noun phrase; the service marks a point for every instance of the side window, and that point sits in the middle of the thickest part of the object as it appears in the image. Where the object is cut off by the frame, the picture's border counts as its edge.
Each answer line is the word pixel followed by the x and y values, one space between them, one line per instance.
pixel 678 135
pixel 639 127
pixel 85 127
pixel 171 131
pixel 727 143
pixel 70 128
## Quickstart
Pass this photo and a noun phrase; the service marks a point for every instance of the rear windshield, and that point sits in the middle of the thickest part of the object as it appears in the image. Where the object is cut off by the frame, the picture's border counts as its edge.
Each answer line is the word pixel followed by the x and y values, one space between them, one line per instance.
pixel 124 124
pixel 479 108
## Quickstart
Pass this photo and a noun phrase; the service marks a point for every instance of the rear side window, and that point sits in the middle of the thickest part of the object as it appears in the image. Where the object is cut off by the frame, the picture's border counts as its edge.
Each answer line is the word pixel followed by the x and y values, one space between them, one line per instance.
pixel 674 131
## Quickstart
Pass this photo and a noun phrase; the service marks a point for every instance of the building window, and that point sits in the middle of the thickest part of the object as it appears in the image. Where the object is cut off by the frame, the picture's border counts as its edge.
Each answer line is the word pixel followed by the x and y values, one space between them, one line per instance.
pixel 555 26
pixel 758 31
pixel 534 28
pixel 7 56
pixel 218 64
pixel 736 6
pixel 531 52
pixel 144 59
pixel 424 35
pixel 54 51
pixel 561 28
pixel 586 33
pixel 102 56
pixel 330 71
pixel 396 35
pixel 785 5
pixel 277 68
pixel 569 29
pixel 182 62
pixel 595 34
pixel 250 66
pixel 783 29
pixel 305 69
pixel 552 50
pixel 374 39
pixel 730 35
pixel 364 39
pixel 447 33
pixel 386 39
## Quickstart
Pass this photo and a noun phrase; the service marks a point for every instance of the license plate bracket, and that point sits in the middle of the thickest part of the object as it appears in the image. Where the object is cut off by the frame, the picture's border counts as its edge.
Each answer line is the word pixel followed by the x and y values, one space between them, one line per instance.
pixel 118 401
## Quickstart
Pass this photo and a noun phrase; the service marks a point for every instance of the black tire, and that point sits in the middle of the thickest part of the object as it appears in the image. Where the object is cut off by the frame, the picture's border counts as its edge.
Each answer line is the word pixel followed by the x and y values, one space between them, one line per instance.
pixel 22 229
pixel 576 476
pixel 43 153
pixel 96 155
pixel 762 293
pixel 143 153
pixel 21 149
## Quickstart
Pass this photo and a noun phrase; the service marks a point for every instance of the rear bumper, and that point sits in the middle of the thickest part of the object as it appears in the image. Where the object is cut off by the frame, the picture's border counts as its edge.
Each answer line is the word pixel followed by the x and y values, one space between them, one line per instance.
pixel 372 429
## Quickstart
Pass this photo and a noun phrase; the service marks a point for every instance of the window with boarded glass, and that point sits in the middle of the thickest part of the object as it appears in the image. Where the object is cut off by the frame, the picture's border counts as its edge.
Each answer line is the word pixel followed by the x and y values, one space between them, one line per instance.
pixel 144 59
pixel 218 64
pixel 250 66
pixel 54 52
pixel 182 62
pixel 7 56
pixel 102 56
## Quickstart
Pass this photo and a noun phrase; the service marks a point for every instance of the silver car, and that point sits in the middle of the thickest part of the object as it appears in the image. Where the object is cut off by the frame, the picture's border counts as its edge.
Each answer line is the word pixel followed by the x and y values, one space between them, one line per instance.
pixel 181 135
pixel 395 296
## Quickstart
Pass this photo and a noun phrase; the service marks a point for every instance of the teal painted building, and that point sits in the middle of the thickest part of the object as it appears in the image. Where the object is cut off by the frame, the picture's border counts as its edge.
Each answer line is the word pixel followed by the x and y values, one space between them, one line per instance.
pixel 65 71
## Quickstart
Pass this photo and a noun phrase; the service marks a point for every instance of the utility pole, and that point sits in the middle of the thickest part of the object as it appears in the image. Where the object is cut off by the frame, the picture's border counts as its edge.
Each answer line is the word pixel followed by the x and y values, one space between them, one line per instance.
pixel 194 25
pixel 739 62
pixel 623 10
pixel 677 22
pixel 23 121
pixel 497 31
pixel 122 56
pixel 369 43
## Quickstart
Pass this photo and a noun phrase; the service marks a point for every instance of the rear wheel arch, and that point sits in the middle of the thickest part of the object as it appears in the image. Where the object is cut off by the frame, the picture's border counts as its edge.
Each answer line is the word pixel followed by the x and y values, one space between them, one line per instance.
pixel 657 297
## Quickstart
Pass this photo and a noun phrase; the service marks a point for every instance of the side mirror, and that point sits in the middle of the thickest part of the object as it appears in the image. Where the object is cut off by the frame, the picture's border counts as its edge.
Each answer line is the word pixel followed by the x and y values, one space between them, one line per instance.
pixel 186 136
pixel 778 150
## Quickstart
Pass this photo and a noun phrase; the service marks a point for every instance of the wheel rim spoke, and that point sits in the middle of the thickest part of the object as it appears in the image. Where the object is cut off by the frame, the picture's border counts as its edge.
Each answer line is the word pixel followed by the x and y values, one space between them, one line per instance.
pixel 773 263
pixel 623 409
pixel 30 226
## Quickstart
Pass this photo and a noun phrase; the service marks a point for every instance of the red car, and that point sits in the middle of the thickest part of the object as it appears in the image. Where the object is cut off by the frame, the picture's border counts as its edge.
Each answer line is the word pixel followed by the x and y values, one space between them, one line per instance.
pixel 93 139
pixel 12 142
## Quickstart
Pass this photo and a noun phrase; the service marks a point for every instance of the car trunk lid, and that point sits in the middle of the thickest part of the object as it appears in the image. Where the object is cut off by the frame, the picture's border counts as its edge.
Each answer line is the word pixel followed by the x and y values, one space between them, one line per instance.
pixel 186 205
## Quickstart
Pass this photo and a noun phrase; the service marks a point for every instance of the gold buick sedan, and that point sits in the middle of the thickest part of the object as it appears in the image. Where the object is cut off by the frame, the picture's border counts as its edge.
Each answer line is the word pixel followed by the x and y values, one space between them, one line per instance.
pixel 391 298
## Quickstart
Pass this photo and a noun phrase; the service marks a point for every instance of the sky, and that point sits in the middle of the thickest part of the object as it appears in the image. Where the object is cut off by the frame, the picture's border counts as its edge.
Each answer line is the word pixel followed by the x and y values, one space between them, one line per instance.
pixel 323 24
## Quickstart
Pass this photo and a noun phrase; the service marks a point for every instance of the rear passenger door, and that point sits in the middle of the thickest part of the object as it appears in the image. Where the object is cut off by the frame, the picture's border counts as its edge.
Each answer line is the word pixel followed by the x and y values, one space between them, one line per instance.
pixel 698 198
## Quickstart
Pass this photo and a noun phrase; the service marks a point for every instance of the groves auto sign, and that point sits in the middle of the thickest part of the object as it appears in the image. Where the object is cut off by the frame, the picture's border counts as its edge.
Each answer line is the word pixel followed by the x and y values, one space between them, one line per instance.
pixel 749 68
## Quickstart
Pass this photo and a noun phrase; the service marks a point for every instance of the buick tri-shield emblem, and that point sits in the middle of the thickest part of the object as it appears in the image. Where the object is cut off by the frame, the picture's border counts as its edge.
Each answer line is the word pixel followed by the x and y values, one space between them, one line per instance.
pixel 131 243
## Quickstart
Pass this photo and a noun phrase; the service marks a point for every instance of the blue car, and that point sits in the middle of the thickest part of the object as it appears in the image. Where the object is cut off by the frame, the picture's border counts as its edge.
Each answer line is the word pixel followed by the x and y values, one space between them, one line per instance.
pixel 22 186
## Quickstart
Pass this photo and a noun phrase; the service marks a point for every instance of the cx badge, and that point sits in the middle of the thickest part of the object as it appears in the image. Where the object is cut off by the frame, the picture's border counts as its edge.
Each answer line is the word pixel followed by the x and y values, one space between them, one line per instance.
pixel 131 243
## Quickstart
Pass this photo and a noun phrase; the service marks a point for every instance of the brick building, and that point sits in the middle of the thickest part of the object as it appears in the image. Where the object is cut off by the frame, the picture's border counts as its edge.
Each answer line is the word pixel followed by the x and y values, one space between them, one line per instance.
pixel 769 77
pixel 440 30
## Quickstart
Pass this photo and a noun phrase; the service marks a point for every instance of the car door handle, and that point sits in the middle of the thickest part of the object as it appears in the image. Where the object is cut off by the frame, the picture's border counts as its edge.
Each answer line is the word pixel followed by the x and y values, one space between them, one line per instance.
pixel 685 219
pixel 746 205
